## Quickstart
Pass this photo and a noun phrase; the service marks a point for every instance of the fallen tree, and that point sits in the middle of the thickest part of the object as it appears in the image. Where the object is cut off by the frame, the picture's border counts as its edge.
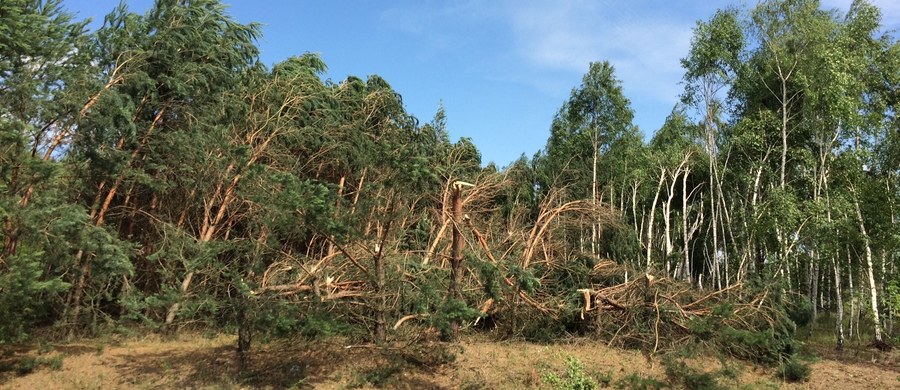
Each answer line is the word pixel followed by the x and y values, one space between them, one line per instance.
pixel 755 323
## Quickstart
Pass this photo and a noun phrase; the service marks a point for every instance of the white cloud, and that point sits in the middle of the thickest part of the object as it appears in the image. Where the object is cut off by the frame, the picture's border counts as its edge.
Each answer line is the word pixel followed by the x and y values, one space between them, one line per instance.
pixel 643 41
pixel 548 45
pixel 644 46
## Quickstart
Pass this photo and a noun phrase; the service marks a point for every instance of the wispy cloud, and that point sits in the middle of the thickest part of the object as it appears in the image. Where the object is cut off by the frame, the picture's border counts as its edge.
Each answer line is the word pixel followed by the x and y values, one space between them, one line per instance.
pixel 643 39
pixel 442 27
pixel 547 45
pixel 643 45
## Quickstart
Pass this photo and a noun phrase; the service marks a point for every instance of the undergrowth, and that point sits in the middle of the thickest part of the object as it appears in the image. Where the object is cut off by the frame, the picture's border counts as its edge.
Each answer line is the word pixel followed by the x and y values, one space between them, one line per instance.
pixel 575 378
pixel 793 370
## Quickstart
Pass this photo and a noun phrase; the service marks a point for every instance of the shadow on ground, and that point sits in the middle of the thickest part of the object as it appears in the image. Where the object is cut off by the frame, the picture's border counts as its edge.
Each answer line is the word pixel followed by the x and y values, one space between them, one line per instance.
pixel 302 365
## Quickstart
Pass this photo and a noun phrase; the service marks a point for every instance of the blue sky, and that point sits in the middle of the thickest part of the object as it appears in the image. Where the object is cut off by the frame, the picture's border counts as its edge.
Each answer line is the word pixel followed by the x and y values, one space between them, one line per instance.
pixel 501 68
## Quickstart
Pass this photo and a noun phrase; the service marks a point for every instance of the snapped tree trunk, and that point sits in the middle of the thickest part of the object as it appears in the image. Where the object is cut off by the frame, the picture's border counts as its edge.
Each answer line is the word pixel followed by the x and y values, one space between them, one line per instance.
pixel 456 256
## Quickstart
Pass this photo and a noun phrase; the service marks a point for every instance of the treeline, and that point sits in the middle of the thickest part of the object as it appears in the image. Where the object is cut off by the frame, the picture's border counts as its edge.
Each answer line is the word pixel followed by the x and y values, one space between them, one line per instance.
pixel 153 173
pixel 780 164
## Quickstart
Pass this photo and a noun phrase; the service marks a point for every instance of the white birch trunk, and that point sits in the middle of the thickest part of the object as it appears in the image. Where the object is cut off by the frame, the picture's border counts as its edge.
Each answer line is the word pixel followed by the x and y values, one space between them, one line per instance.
pixel 839 318
pixel 662 176
pixel 873 290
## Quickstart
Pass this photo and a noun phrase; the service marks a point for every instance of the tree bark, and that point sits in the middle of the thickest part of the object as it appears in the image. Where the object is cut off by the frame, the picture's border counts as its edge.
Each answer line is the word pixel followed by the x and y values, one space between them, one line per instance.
pixel 662 177
pixel 839 317
pixel 873 290
pixel 456 255
pixel 380 278
pixel 853 297
pixel 595 228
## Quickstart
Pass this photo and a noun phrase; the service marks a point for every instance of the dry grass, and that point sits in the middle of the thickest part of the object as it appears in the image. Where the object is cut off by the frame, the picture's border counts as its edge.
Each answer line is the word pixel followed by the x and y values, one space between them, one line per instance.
pixel 194 361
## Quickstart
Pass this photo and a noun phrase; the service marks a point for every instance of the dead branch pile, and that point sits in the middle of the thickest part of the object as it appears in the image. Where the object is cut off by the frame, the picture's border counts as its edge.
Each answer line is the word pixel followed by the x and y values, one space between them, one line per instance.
pixel 658 313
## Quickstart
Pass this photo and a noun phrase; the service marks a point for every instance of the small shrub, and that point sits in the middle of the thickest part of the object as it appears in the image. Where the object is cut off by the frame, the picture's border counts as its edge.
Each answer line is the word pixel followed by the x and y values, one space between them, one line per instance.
pixel 678 372
pixel 574 379
pixel 54 363
pixel 728 371
pixel 318 325
pixel 450 311
pixel 603 378
pixel 26 365
pixel 799 310
pixel 793 370
pixel 44 348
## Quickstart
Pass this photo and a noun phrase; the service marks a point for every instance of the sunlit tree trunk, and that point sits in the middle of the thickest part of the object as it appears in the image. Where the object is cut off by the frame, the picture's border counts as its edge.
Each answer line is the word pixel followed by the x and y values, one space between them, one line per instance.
pixel 873 290
pixel 659 186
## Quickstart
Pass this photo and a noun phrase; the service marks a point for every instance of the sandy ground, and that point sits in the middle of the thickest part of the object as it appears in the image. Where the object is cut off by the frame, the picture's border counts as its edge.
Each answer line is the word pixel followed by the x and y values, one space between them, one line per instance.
pixel 195 361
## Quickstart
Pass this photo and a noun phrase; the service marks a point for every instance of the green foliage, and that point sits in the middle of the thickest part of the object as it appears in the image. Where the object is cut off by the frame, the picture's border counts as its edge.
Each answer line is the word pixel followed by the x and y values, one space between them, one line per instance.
pixel 317 326
pixel 793 370
pixel 800 310
pixel 452 311
pixel 680 373
pixel 762 346
pixel 378 376
pixel 491 277
pixel 50 234
pixel 21 284
pixel 761 342
pixel 28 364
pixel 525 279
pixel 574 379
pixel 893 298
pixel 54 362
pixel 273 319
pixel 595 117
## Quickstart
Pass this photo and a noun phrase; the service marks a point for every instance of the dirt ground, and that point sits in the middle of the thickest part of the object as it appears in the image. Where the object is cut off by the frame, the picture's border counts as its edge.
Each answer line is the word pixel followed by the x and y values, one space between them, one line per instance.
pixel 198 361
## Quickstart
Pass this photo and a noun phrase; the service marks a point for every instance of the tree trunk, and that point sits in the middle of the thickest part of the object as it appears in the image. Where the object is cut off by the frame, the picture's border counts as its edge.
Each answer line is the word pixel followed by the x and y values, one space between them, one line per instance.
pixel 595 233
pixel 380 280
pixel 839 317
pixel 667 218
pixel 244 334
pixel 784 128
pixel 685 234
pixel 456 256
pixel 853 305
pixel 814 293
pixel 662 177
pixel 83 260
pixel 886 307
pixel 873 290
